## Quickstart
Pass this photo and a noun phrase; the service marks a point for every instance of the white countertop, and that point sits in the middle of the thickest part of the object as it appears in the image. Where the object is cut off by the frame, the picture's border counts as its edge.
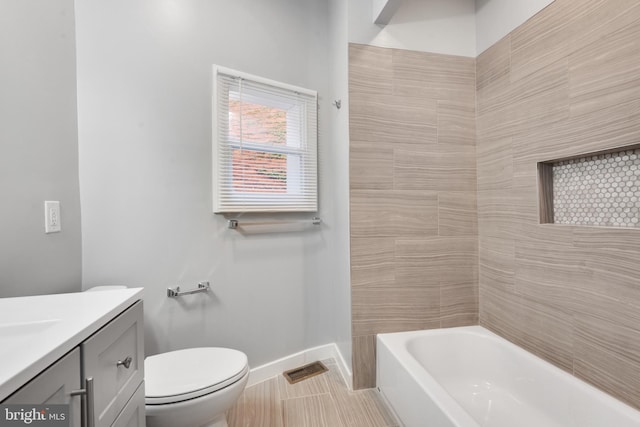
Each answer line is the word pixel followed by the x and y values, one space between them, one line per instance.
pixel 36 331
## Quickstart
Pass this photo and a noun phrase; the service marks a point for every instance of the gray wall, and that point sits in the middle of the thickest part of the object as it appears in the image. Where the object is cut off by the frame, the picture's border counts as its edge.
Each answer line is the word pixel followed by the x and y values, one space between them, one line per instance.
pixel 335 176
pixel 144 93
pixel 38 148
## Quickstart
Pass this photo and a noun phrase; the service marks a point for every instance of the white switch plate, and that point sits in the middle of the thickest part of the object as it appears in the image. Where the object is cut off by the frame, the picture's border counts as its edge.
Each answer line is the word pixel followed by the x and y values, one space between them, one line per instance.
pixel 52 217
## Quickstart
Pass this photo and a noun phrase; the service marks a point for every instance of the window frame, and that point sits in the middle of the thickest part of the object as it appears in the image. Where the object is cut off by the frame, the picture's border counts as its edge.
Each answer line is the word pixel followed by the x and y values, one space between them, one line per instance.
pixel 263 201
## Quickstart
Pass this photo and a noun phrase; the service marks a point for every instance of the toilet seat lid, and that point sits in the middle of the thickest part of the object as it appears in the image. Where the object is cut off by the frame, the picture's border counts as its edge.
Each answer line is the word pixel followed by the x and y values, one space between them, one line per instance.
pixel 185 374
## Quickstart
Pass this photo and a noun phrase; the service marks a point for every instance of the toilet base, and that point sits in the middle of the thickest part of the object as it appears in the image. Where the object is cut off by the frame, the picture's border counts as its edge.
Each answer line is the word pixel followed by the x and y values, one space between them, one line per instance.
pixel 197 412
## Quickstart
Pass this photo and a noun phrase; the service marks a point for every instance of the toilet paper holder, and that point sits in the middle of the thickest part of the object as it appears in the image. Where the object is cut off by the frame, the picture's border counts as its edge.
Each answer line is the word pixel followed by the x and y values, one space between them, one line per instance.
pixel 176 292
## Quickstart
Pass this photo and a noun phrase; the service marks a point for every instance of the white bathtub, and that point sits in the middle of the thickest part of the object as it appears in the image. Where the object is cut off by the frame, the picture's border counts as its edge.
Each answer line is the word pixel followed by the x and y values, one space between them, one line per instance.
pixel 470 377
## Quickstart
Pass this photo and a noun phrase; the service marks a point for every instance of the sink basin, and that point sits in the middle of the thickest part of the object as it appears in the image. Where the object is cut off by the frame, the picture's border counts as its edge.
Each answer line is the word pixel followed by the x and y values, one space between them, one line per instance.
pixel 17 332
pixel 22 328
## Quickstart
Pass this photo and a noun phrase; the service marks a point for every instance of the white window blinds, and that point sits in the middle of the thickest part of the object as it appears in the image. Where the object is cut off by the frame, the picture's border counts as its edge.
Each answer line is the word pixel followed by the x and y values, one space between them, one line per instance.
pixel 265 145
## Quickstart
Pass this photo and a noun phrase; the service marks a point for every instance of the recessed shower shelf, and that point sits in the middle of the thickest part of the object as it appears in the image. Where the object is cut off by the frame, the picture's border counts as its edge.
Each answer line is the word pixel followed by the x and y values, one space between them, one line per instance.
pixel 596 189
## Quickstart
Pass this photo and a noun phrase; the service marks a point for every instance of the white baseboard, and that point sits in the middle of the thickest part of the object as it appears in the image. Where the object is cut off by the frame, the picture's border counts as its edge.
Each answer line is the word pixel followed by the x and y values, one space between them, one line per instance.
pixel 327 351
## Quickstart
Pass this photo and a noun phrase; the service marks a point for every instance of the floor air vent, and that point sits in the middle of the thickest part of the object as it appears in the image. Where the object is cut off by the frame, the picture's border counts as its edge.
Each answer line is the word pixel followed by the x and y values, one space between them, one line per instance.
pixel 304 372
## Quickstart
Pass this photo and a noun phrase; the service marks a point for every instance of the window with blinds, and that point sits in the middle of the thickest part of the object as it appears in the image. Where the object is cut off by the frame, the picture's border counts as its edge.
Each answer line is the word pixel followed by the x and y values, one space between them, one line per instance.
pixel 265 145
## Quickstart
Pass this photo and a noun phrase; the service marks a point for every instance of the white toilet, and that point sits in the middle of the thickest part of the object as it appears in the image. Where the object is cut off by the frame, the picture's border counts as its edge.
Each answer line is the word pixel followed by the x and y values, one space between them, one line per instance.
pixel 193 387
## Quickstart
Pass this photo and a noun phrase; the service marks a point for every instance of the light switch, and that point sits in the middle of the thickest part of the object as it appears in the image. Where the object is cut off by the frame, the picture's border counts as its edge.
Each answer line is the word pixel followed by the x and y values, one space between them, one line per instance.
pixel 52 217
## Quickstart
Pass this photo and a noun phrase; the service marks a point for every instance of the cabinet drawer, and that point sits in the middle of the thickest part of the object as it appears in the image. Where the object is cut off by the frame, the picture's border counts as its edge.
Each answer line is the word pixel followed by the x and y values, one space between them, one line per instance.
pixel 114 383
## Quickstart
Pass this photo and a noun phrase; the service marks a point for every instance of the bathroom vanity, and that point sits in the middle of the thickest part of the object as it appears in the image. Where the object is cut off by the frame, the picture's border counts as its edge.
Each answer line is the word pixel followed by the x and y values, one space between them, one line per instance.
pixel 82 349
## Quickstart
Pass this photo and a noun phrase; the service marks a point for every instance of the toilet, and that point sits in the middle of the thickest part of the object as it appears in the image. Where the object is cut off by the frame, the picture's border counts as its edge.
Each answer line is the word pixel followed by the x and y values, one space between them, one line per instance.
pixel 193 387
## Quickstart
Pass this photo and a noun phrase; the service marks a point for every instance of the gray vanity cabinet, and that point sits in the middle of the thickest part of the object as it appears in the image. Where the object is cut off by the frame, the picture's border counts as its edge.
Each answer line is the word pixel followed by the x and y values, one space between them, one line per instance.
pixel 114 358
pixel 54 386
pixel 110 363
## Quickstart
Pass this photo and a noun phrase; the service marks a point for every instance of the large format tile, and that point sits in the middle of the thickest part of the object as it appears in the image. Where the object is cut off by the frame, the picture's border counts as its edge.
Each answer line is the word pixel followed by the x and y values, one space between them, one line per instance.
pixel 563 84
pixel 312 411
pixel 494 63
pixel 371 165
pixel 608 369
pixel 364 361
pixel 561 29
pixel 456 123
pixel 261 405
pixel 370 70
pixel 393 213
pixel 436 167
pixel 606 72
pixel 322 401
pixel 457 213
pixel 495 163
pixel 433 76
pixel 393 309
pixel 458 304
pixel 428 262
pixel 372 261
pixel 497 263
pixel 428 123
pixel 392 118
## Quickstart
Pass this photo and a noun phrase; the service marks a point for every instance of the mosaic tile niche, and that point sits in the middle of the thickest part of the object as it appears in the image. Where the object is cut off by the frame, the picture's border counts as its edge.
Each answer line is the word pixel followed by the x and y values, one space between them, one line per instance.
pixel 598 190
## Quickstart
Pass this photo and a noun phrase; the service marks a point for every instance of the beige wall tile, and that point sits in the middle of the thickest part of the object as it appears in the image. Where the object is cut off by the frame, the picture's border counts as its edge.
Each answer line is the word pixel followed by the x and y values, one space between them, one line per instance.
pixel 437 167
pixel 606 72
pixel 364 361
pixel 373 261
pixel 497 263
pixel 458 304
pixel 429 124
pixel 371 165
pixel 395 309
pixel 497 214
pixel 370 70
pixel 433 76
pixel 494 64
pixel 499 311
pixel 541 99
pixel 424 262
pixel 568 294
pixel 546 332
pixel 494 163
pixel 394 213
pixel 563 27
pixel 611 370
pixel 392 118
pixel 457 213
pixel 456 123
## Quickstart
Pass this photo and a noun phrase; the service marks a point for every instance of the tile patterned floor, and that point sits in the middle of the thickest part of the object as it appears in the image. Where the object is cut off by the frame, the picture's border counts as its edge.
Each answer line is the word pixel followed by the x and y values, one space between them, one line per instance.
pixel 321 401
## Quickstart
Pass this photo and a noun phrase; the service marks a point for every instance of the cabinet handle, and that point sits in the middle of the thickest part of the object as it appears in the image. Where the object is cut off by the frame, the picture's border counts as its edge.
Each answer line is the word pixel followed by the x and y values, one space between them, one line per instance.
pixel 88 402
pixel 91 405
pixel 126 362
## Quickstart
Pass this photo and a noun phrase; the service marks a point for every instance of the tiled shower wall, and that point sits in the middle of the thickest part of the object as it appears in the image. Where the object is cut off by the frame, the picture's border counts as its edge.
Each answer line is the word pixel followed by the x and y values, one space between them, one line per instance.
pixel 565 83
pixel 413 196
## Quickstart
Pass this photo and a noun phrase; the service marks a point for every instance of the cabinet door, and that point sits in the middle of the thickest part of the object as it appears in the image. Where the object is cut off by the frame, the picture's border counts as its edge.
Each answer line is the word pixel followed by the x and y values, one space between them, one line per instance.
pixel 115 383
pixel 133 414
pixel 53 386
